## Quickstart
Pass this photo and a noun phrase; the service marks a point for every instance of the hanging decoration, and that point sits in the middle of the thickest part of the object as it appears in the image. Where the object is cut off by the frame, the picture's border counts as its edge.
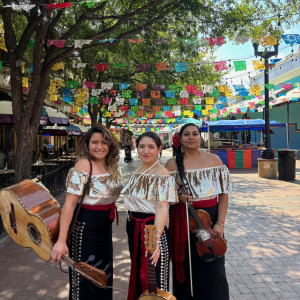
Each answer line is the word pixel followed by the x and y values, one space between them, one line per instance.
pixel 258 64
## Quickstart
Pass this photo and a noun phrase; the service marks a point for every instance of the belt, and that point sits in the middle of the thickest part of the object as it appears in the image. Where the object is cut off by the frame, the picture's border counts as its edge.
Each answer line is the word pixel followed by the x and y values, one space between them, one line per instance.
pixel 205 203
pixel 112 207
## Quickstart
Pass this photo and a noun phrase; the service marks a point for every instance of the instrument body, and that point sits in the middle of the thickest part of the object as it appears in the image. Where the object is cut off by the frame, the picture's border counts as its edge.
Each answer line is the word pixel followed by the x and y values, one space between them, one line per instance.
pixel 160 294
pixel 153 293
pixel 209 245
pixel 31 217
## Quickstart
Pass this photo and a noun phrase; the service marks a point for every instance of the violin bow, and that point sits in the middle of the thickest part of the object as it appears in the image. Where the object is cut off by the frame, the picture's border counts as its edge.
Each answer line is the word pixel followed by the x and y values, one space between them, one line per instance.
pixel 187 188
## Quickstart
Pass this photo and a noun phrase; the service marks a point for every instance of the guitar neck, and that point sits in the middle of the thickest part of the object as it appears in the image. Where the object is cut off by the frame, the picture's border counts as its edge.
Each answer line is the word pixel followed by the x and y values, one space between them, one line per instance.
pixel 69 261
pixel 195 216
pixel 151 276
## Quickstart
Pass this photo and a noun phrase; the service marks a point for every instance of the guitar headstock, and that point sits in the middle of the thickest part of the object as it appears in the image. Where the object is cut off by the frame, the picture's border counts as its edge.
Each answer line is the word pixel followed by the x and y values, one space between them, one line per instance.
pixel 150 238
pixel 91 273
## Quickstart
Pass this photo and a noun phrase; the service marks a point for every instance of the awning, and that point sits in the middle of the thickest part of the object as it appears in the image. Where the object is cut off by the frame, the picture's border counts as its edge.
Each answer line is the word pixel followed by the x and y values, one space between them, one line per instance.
pixel 56 117
pixel 55 130
pixel 83 129
pixel 237 125
pixel 6 114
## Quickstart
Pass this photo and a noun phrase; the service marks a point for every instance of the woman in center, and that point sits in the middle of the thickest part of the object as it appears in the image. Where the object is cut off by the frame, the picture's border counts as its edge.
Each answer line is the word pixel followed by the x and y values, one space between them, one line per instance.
pixel 147 195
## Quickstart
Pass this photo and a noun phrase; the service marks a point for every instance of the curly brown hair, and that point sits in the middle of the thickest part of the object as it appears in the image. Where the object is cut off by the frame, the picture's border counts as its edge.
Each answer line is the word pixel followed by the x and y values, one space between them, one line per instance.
pixel 112 159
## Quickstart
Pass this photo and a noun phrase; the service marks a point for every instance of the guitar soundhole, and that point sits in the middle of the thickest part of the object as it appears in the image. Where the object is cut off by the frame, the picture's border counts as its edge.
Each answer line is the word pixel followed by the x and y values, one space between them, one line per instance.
pixel 34 234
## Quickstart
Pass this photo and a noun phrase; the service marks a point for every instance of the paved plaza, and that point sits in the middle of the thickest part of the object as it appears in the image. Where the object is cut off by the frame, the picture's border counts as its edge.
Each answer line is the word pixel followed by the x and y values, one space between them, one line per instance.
pixel 262 261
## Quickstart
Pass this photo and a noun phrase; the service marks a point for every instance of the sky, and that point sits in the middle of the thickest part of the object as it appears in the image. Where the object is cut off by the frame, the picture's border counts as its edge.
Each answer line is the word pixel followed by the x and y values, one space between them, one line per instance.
pixel 246 52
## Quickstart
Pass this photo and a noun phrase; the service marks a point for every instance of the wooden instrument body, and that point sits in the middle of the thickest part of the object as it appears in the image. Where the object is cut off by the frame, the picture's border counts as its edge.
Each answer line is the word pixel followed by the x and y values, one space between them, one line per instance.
pixel 30 216
pixel 160 294
pixel 218 244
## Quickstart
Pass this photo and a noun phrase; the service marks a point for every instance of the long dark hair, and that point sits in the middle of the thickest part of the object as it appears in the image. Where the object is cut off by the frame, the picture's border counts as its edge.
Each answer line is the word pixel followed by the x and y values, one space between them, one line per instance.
pixel 112 158
pixel 179 153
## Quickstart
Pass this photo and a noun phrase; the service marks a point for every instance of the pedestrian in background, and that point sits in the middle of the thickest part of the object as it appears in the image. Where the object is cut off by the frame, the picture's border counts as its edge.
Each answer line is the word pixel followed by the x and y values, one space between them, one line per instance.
pixel 147 195
pixel 91 239
pixel 209 181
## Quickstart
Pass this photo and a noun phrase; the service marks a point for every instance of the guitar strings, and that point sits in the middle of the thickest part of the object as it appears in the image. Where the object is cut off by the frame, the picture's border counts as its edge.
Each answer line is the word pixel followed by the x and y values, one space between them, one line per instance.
pixel 25 233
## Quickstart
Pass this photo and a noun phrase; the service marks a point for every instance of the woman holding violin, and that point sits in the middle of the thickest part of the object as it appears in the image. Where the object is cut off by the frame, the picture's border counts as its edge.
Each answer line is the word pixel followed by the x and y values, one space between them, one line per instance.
pixel 204 182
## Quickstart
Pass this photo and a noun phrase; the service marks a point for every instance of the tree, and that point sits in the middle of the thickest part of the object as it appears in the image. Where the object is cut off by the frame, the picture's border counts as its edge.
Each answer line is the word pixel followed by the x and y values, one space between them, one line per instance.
pixel 119 19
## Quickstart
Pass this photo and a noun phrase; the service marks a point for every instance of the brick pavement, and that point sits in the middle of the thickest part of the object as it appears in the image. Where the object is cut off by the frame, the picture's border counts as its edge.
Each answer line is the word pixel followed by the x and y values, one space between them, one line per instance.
pixel 262 261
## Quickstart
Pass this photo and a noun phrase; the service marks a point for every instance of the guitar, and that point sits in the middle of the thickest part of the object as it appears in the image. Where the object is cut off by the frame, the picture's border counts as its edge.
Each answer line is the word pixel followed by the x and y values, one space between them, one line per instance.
pixel 209 245
pixel 31 217
pixel 153 293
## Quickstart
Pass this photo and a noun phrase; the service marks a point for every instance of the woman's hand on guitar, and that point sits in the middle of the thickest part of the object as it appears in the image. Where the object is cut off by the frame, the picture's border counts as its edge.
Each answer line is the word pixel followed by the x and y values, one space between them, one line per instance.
pixel 155 256
pixel 58 250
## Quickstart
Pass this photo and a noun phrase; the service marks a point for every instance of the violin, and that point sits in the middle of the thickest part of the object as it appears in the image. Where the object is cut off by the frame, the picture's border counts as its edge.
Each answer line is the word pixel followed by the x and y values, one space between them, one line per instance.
pixel 209 245
pixel 153 293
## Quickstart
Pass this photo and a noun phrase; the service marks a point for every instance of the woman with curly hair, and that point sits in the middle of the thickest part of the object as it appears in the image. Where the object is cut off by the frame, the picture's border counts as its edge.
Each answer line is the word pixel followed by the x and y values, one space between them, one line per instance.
pixel 91 238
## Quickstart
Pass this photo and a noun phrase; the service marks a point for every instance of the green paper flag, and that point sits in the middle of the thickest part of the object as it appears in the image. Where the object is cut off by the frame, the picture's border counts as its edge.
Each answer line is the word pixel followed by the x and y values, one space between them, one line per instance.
pixel 270 86
pixel 89 4
pixel 215 93
pixel 261 102
pixel 120 66
pixel 30 44
pixel 72 84
pixel 174 88
pixel 94 100
pixel 190 41
pixel 240 65
pixel 1 65
pixel 214 111
pixel 198 107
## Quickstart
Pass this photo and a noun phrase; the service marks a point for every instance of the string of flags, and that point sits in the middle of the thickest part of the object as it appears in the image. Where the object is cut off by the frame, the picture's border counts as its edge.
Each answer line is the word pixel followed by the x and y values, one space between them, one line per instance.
pixel 162 102
pixel 270 40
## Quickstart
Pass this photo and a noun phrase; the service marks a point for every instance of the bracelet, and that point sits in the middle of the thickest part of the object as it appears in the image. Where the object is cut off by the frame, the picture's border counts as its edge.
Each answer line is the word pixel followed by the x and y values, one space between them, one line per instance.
pixel 220 224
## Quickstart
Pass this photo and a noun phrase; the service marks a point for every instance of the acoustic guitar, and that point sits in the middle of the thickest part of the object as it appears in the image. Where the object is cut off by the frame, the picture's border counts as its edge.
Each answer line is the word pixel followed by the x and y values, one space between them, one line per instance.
pixel 31 217
pixel 153 293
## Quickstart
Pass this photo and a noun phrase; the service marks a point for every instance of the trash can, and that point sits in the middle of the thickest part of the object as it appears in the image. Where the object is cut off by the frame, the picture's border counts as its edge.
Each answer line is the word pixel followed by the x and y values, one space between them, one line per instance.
pixel 287 164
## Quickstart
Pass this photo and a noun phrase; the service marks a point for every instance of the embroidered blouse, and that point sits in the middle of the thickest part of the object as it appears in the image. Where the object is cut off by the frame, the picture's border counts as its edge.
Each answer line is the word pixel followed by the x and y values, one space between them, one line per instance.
pixel 207 182
pixel 141 196
pixel 103 188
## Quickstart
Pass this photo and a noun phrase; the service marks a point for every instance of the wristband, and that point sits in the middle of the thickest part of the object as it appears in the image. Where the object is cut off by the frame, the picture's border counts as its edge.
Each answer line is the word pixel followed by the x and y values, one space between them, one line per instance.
pixel 220 224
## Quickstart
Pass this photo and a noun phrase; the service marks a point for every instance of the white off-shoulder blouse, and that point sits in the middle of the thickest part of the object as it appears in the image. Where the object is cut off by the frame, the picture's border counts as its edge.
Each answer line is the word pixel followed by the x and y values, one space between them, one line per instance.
pixel 207 182
pixel 103 188
pixel 143 191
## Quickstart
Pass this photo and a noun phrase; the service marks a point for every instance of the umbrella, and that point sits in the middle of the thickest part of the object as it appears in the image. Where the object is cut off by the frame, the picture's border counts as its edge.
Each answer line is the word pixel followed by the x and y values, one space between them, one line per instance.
pixel 56 117
pixel 188 120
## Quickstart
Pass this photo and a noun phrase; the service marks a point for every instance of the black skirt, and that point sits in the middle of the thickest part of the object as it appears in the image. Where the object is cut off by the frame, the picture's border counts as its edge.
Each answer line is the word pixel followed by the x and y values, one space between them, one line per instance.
pixel 209 278
pixel 163 265
pixel 91 242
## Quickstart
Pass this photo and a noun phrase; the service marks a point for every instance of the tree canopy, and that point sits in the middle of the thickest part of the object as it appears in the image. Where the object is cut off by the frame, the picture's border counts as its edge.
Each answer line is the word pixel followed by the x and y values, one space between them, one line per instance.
pixel 116 20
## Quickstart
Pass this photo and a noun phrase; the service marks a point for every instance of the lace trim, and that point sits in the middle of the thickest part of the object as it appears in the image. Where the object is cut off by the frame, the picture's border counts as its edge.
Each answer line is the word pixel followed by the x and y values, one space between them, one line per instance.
pixel 208 181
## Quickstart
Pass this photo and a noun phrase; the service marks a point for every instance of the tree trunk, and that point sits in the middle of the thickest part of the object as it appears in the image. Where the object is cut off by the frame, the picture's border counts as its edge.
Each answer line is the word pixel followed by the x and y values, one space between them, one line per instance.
pixel 25 141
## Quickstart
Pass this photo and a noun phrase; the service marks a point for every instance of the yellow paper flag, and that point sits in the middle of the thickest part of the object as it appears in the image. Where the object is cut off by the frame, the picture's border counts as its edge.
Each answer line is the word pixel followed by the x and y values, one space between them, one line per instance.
pixel 258 64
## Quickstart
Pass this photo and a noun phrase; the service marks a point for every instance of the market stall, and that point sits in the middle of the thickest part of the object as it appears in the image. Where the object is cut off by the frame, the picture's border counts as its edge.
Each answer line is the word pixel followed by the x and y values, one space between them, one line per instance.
pixel 232 155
